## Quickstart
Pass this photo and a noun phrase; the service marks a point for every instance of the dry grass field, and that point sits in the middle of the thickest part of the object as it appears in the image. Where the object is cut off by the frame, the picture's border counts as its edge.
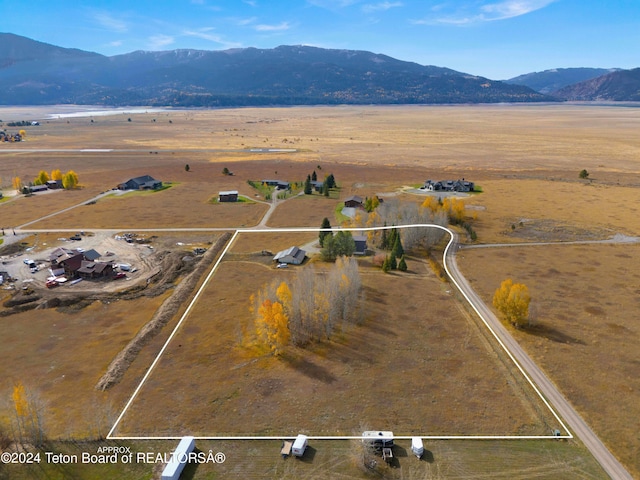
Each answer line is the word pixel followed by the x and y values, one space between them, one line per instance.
pixel 586 306
pixel 423 369
pixel 526 158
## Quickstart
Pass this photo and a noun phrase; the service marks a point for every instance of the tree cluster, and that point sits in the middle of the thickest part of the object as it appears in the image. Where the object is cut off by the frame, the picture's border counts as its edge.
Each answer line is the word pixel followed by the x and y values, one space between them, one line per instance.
pixel 395 260
pixel 310 309
pixel 454 209
pixel 370 204
pixel 339 245
pixel 512 301
pixel 69 180
pixel 395 212
pixel 327 185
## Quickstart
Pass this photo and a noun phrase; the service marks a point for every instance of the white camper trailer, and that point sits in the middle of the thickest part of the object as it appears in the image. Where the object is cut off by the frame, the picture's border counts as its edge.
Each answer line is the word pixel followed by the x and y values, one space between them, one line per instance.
pixel 179 459
pixel 299 445
pixel 417 447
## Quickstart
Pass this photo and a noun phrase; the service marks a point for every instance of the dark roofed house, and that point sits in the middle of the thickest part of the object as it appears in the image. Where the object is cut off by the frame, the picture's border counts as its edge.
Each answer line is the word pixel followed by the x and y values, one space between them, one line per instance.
pixel 54 184
pixel 71 263
pixel 228 196
pixel 60 254
pixel 361 244
pixel 91 255
pixel 292 255
pixel 279 184
pixel 354 201
pixel 317 185
pixel 145 182
pixel 91 270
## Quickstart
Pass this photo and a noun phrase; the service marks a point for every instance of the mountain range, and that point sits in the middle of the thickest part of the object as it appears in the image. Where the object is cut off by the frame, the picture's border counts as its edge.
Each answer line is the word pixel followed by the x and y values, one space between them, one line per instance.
pixel 35 73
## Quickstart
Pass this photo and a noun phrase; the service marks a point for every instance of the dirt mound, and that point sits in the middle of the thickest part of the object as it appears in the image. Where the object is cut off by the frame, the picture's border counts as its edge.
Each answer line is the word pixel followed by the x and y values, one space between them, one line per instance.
pixel 163 315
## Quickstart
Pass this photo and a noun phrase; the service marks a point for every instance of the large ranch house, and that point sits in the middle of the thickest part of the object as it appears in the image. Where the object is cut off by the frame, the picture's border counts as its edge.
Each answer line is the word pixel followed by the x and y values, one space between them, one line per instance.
pixel 145 182
pixel 448 186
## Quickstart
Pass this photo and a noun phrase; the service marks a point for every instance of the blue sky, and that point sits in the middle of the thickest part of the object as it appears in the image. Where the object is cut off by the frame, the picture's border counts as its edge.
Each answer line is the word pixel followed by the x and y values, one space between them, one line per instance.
pixel 497 39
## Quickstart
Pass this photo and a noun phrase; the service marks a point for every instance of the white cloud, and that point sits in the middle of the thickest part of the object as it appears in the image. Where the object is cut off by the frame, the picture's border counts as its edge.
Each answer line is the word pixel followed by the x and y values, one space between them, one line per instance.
pixel 246 21
pixel 381 6
pixel 332 4
pixel 251 3
pixel 512 8
pixel 115 43
pixel 481 11
pixel 161 40
pixel 204 34
pixel 273 28
pixel 110 22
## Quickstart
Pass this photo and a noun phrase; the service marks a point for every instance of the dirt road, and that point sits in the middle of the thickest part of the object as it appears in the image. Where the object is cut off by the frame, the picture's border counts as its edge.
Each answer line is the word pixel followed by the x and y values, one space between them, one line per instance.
pixel 579 427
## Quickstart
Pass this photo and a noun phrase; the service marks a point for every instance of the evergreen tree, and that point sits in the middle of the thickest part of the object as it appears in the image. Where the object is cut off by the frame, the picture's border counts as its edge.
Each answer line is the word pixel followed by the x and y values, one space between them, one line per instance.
pixel 384 241
pixel 402 265
pixel 330 181
pixel 391 240
pixel 386 266
pixel 314 176
pixel 323 235
pixel 393 262
pixel 325 189
pixel 307 186
pixel 398 250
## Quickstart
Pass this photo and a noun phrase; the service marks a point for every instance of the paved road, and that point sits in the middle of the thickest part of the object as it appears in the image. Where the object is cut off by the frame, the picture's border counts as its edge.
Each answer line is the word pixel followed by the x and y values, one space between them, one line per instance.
pixel 542 383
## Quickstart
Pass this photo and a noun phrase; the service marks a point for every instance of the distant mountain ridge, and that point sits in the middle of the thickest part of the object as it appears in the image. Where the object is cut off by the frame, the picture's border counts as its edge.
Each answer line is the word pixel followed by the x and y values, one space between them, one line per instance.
pixel 33 72
pixel 549 81
pixel 621 85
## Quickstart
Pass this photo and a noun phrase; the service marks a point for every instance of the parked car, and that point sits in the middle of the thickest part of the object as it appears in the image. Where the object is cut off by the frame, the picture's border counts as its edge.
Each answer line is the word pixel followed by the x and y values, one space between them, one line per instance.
pixel 282 265
pixel 120 275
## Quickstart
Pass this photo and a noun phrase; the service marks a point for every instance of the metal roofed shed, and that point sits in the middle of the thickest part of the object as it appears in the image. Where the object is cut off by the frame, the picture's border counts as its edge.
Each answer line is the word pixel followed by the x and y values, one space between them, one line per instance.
pixel 228 196
pixel 292 255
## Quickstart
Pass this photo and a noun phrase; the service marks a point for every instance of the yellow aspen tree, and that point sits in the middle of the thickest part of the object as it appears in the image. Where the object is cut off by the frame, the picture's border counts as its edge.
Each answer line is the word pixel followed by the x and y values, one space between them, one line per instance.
pixel 21 408
pixel 519 300
pixel 431 203
pixel 42 178
pixel 17 184
pixel 512 301
pixel 283 292
pixel 70 180
pixel 56 174
pixel 272 326
pixel 502 295
pixel 23 133
pixel 20 400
